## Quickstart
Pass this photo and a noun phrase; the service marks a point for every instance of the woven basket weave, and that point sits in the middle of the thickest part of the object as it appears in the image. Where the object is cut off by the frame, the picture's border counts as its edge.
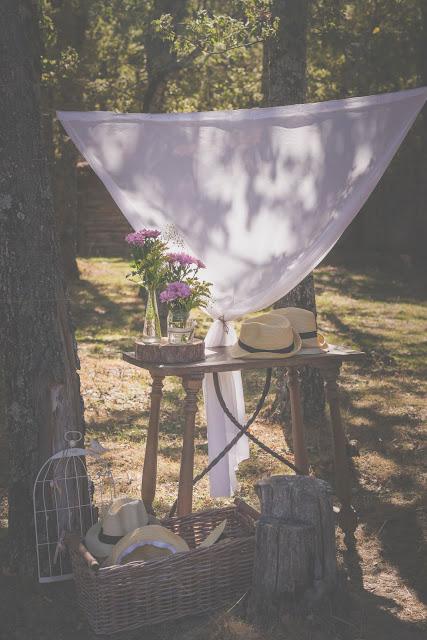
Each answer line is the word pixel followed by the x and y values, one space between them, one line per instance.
pixel 129 596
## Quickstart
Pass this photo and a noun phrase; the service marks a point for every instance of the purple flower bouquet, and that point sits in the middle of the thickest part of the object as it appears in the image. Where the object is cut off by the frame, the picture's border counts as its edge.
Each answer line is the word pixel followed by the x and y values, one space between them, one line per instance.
pixel 175 275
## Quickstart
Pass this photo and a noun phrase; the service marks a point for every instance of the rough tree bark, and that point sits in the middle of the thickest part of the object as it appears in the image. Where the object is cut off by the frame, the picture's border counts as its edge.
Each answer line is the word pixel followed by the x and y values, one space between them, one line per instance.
pixel 70 19
pixel 39 385
pixel 422 58
pixel 295 558
pixel 284 82
pixel 161 61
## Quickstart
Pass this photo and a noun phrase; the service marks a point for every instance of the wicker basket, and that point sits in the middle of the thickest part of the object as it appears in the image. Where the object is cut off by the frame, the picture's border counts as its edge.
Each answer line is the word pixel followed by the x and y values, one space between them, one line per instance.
pixel 126 597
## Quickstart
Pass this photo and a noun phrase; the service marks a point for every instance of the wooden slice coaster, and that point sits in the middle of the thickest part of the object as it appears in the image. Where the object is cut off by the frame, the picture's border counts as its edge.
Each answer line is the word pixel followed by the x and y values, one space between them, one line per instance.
pixel 166 353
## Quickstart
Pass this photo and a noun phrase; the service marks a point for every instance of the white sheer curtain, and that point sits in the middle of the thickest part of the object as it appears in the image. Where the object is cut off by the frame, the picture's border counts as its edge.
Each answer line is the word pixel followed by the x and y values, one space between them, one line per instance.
pixel 261 196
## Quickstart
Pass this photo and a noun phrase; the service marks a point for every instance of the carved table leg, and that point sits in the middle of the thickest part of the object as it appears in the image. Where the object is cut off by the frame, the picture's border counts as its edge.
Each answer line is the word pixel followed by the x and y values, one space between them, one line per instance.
pixel 149 474
pixel 298 436
pixel 347 518
pixel 192 385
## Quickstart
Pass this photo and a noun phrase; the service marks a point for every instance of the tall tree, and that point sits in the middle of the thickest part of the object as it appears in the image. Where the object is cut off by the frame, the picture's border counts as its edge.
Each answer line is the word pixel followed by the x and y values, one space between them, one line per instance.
pixel 65 23
pixel 39 385
pixel 161 59
pixel 284 82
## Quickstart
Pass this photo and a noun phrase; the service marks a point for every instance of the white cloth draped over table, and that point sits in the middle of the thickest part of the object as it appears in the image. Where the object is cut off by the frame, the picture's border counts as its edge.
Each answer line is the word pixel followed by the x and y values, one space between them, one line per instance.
pixel 260 195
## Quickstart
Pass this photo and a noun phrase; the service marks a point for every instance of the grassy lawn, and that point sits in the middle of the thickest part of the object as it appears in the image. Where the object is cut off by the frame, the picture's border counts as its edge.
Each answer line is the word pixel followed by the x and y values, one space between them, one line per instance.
pixel 384 409
pixel 383 400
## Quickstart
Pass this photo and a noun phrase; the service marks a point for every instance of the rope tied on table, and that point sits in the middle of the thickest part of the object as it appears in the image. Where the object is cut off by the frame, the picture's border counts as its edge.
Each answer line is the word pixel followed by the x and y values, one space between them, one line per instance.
pixel 243 430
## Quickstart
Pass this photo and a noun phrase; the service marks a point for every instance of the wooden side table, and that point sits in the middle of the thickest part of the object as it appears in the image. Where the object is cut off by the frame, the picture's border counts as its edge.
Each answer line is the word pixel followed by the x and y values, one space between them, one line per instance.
pixel 219 359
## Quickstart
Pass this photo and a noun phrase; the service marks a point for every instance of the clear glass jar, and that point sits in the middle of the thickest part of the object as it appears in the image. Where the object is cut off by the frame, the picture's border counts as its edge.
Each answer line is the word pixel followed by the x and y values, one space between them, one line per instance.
pixel 152 333
pixel 180 327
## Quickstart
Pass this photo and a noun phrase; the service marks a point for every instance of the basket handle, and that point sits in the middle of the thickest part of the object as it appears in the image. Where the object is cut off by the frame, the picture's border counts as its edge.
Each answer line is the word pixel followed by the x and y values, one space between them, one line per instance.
pixel 246 509
pixel 74 542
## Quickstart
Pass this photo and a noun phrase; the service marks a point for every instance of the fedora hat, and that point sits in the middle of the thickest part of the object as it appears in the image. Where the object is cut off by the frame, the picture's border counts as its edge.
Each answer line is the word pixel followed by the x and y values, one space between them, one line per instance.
pixel 151 542
pixel 304 322
pixel 122 516
pixel 266 337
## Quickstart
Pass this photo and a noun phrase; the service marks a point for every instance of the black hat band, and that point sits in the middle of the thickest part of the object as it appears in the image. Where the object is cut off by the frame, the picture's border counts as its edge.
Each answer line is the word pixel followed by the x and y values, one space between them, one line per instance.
pixel 246 347
pixel 308 334
pixel 102 537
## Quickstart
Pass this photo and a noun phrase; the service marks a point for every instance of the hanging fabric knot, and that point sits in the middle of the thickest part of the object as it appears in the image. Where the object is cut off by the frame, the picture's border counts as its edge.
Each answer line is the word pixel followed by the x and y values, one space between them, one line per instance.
pixel 225 325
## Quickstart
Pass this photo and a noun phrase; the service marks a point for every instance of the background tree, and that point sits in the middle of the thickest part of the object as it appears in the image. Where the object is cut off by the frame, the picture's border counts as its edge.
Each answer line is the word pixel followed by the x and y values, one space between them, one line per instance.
pixel 158 55
pixel 284 82
pixel 39 384
pixel 64 24
pixel 211 58
pixel 363 48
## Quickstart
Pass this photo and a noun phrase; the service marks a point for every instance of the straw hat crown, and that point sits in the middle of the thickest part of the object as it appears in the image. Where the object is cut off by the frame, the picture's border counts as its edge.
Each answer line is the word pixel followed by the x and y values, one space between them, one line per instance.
pixel 266 336
pixel 122 516
pixel 304 322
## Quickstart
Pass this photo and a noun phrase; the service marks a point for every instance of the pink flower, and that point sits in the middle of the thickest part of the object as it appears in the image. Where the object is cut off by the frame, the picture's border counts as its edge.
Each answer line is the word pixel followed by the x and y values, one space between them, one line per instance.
pixel 137 238
pixel 174 291
pixel 184 259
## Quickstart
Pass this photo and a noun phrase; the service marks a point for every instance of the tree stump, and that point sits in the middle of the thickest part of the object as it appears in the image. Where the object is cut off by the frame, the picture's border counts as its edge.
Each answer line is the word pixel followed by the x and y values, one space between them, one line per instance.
pixel 166 353
pixel 295 556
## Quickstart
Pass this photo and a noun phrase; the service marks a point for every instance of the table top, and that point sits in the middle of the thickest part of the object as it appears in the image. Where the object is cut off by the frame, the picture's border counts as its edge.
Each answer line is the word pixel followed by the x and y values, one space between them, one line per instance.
pixel 220 359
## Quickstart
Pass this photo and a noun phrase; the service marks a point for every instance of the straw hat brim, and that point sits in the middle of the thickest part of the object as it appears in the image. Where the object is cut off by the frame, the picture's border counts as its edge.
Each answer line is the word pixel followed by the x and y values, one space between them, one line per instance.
pixel 238 352
pixel 214 535
pixel 159 540
pixel 315 345
pixel 320 348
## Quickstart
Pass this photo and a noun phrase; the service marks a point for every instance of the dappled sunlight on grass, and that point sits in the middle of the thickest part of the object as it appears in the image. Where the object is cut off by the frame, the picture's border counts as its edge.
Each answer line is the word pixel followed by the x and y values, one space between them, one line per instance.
pixel 383 404
pixel 379 313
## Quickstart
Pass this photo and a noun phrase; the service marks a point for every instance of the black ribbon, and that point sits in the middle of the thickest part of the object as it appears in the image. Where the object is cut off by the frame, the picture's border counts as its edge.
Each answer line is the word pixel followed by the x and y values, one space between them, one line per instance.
pixel 250 349
pixel 102 537
pixel 308 334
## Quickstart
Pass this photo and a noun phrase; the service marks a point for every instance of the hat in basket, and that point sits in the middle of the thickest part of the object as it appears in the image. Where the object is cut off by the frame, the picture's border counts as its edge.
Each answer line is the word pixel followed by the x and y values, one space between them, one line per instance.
pixel 304 322
pixel 152 542
pixel 266 336
pixel 123 516
pixel 214 535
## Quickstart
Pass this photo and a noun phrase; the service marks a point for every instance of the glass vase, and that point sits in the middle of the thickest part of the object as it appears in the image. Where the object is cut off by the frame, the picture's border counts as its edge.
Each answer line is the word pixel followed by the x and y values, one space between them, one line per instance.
pixel 152 333
pixel 180 327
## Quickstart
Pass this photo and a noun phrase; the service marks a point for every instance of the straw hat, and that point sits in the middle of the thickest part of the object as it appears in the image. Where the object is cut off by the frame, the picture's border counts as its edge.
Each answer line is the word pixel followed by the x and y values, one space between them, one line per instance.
pixel 266 336
pixel 146 543
pixel 122 516
pixel 304 322
pixel 214 535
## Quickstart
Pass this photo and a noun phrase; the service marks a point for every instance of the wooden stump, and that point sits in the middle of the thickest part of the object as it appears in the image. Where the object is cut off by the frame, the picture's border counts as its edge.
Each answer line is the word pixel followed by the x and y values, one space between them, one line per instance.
pixel 166 353
pixel 295 556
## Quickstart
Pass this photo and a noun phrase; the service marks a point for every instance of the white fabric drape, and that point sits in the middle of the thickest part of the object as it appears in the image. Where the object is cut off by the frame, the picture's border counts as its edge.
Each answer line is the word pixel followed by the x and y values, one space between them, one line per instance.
pixel 220 429
pixel 260 195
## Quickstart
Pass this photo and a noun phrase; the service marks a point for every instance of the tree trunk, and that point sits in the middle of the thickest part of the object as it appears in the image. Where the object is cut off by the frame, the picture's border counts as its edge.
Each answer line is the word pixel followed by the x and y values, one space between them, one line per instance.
pixel 70 20
pixel 161 62
pixel 295 562
pixel 284 82
pixel 40 394
pixel 422 57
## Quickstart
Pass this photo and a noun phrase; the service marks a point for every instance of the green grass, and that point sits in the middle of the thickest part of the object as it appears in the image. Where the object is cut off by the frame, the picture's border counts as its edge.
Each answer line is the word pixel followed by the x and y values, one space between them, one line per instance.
pixel 381 312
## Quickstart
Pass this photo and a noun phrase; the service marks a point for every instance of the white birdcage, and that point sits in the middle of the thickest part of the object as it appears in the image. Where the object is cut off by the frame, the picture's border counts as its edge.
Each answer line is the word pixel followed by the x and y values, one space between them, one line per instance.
pixel 63 502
